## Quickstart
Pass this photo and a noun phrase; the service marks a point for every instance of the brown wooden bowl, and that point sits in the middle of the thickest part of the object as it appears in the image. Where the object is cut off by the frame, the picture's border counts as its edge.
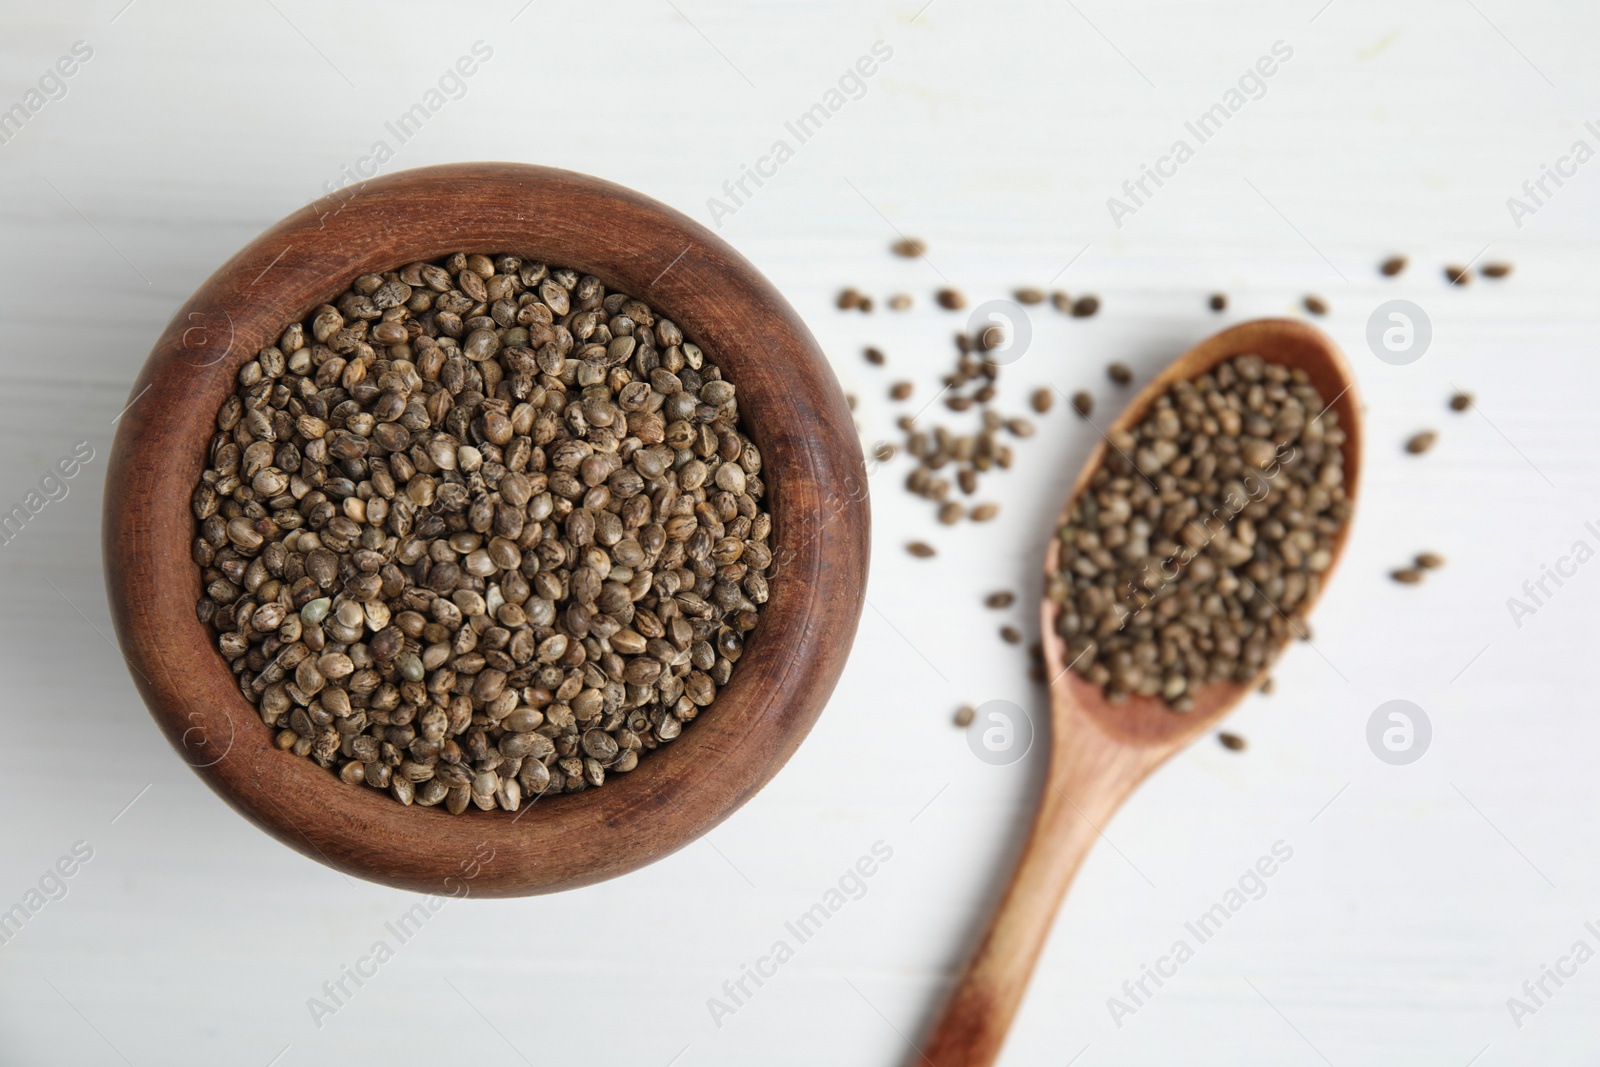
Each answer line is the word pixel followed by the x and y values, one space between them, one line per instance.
pixel 792 407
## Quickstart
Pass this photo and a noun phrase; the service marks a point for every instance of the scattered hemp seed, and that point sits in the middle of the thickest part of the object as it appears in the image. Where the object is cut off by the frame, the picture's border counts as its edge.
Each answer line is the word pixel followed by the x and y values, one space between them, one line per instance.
pixel 920 549
pixel 1061 302
pixel 850 399
pixel 1083 403
pixel 1231 742
pixel 1119 373
pixel 909 247
pixel 1029 296
pixel 848 298
pixel 1429 561
pixel 951 299
pixel 964 716
pixel 984 512
pixel 1085 306
pixel 1011 635
pixel 1316 305
pixel 1407 575
pixel 951 513
pixel 1218 302
pixel 884 451
pixel 991 338
pixel 900 302
pixel 864 305
pixel 1420 442
pixel 1042 400
pixel 1267 687
pixel 1392 266
pixel 1003 599
pixel 874 356
pixel 1458 275
pixel 479 530
pixel 1495 270
pixel 900 391
pixel 1461 401
pixel 1233 478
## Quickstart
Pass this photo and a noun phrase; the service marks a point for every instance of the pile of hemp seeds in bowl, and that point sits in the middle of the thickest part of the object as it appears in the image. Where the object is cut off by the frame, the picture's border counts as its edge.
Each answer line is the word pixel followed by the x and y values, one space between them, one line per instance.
pixel 1200 542
pixel 480 531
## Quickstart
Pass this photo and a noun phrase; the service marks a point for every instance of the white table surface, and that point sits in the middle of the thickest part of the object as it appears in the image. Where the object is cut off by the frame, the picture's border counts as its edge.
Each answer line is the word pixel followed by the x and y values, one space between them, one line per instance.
pixel 1416 902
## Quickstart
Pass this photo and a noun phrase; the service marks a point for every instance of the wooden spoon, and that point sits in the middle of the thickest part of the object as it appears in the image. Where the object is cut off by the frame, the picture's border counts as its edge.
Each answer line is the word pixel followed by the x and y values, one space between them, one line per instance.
pixel 1100 751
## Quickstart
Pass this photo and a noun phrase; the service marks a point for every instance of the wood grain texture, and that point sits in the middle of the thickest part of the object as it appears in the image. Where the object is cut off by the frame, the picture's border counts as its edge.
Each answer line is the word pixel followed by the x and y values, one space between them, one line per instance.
pixel 1100 751
pixel 792 408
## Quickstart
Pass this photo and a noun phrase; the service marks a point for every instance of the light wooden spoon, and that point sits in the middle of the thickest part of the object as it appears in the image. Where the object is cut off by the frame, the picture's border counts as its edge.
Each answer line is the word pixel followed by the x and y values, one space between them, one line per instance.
pixel 1100 751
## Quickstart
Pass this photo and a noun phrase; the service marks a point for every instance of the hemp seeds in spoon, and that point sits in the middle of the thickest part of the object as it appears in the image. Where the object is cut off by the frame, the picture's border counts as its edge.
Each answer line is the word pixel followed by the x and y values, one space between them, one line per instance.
pixel 1202 538
pixel 480 530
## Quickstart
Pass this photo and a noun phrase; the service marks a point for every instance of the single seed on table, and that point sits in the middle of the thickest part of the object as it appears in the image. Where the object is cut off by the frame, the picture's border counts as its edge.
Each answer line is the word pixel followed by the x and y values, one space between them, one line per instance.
pixel 1407 575
pixel 1495 270
pixel 1085 306
pixel 964 716
pixel 1119 373
pixel 850 400
pixel 874 356
pixel 864 305
pixel 908 423
pixel 985 512
pixel 900 391
pixel 1002 599
pixel 1042 400
pixel 1420 442
pixel 1457 275
pixel 1316 305
pixel 909 247
pixel 950 299
pixel 1231 742
pixel 1429 561
pixel 1460 401
pixel 1392 266
pixel 848 298
pixel 1029 296
pixel 1083 403
pixel 1011 635
pixel 958 403
pixel 1218 302
pixel 1019 427
pixel 920 549
pixel 951 513
pixel 900 302
pixel 1061 302
pixel 991 338
pixel 1267 686
pixel 883 451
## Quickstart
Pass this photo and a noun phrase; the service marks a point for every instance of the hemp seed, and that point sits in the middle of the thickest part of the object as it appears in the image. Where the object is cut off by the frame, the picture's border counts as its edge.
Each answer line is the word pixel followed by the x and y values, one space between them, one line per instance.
pixel 480 530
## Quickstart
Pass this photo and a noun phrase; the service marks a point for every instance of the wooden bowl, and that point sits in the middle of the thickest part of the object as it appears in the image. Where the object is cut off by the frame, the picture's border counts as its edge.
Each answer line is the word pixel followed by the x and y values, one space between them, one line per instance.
pixel 791 405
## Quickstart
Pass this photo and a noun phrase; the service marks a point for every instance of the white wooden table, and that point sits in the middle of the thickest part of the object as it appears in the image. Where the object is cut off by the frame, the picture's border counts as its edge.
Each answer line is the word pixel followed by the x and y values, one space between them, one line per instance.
pixel 1418 898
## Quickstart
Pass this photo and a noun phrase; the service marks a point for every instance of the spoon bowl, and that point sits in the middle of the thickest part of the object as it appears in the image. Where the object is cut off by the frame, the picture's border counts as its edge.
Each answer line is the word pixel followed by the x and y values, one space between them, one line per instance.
pixel 1100 751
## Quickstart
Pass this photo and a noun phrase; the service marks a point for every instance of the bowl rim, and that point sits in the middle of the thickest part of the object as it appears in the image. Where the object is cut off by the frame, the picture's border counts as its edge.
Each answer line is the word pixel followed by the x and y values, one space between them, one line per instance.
pixel 791 405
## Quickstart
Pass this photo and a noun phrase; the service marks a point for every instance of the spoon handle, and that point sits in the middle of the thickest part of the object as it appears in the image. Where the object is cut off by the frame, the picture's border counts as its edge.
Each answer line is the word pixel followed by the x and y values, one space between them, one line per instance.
pixel 1090 775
